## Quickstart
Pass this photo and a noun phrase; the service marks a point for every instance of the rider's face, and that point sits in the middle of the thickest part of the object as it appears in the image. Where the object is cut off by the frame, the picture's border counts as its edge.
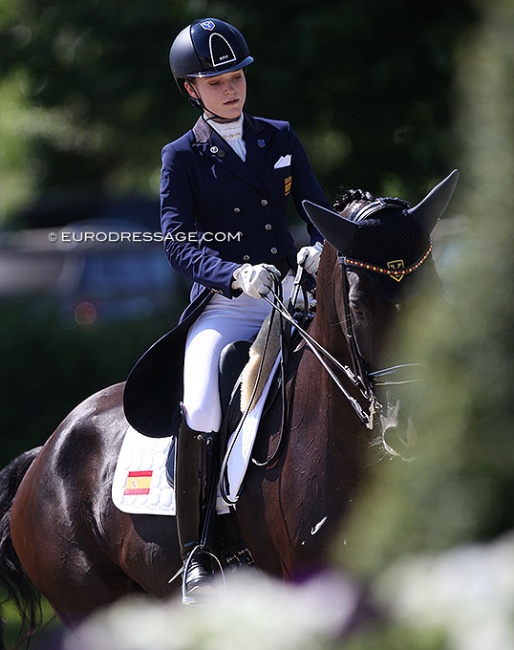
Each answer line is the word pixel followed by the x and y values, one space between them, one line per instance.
pixel 222 96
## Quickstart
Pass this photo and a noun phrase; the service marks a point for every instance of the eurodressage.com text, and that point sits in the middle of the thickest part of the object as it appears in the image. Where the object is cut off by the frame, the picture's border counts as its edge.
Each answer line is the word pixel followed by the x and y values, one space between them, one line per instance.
pixel 89 236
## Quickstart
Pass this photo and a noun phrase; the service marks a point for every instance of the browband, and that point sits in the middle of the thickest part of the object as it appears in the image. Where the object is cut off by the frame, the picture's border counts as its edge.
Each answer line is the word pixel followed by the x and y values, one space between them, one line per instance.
pixel 396 273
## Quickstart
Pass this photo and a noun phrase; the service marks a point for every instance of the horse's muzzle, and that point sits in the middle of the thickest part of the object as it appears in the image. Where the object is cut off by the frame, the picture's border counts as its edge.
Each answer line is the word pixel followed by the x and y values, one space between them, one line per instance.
pixel 398 431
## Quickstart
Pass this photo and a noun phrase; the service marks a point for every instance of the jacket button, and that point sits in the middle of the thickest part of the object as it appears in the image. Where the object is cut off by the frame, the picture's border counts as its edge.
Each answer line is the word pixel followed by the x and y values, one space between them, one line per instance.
pixel 246 258
pixel 274 251
pixel 237 210
pixel 268 226
pixel 264 203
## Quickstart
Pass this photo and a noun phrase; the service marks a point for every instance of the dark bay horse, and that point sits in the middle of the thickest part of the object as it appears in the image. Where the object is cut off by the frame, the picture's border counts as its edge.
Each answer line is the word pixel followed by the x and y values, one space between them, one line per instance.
pixel 68 539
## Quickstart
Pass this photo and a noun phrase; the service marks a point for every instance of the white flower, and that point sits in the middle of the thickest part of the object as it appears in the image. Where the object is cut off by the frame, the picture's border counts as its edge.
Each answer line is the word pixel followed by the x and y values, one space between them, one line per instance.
pixel 254 613
pixel 468 592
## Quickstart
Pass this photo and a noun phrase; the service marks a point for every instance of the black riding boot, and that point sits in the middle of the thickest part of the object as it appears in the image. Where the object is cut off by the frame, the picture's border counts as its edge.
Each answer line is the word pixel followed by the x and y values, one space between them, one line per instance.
pixel 196 479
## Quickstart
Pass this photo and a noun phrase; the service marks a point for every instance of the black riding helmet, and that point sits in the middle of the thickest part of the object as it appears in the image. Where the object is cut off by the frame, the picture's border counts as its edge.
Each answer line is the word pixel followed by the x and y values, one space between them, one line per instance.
pixel 206 48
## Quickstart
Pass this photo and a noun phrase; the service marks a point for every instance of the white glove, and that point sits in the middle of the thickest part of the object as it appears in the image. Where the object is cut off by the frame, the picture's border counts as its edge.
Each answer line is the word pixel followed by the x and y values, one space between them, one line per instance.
pixel 308 257
pixel 256 281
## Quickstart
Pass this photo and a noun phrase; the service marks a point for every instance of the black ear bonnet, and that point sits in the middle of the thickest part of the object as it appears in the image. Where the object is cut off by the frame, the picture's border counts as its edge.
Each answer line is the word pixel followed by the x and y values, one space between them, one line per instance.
pixel 386 238
pixel 391 241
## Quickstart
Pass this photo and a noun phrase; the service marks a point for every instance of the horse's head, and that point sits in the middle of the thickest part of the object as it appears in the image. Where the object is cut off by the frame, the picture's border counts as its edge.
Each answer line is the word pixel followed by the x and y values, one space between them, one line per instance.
pixel 383 250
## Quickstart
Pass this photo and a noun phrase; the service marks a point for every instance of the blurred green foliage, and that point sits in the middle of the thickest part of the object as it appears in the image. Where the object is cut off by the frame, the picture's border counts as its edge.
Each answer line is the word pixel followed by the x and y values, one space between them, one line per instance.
pixel 460 488
pixel 369 88
pixel 12 630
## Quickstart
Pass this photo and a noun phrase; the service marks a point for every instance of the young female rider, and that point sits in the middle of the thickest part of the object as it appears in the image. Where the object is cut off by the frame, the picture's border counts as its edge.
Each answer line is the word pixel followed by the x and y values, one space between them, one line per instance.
pixel 225 187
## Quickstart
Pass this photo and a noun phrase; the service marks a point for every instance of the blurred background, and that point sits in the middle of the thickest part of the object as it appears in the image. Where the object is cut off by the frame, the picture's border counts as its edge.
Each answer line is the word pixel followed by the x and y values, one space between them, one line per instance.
pixel 88 101
pixel 385 97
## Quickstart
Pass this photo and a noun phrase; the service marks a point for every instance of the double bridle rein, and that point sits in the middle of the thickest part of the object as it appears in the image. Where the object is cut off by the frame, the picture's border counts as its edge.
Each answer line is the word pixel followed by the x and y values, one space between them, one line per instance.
pixel 357 373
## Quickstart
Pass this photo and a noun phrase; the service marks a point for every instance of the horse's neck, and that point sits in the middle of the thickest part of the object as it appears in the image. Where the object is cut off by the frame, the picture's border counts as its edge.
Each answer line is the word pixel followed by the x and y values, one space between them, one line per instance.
pixel 326 436
pixel 327 326
pixel 338 419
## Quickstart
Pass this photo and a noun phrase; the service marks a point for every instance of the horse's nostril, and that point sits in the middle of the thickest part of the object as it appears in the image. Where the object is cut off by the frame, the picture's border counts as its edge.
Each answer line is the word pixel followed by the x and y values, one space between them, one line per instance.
pixel 399 438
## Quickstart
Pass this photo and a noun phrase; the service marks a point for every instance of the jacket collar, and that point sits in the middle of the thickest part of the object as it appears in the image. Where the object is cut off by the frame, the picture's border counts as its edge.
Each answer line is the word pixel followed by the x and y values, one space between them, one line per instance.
pixel 203 130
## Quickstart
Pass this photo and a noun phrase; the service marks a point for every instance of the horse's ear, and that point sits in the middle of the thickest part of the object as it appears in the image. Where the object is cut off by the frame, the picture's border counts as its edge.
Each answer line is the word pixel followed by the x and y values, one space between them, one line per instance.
pixel 428 212
pixel 334 228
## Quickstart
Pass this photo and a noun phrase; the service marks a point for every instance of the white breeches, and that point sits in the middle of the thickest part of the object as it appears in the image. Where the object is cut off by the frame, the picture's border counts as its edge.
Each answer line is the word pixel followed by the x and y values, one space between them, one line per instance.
pixel 223 321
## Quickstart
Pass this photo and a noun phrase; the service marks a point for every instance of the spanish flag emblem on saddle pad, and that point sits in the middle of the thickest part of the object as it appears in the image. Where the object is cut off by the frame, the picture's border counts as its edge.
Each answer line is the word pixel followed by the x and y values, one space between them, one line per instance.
pixel 138 482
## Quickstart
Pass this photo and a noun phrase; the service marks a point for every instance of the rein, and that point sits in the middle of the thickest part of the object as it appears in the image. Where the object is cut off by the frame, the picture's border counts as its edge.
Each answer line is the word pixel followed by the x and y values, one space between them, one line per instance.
pixel 357 374
pixel 324 357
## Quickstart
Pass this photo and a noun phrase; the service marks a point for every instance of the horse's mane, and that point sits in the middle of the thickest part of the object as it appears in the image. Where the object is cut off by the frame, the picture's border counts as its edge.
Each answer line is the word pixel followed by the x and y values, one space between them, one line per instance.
pixel 349 196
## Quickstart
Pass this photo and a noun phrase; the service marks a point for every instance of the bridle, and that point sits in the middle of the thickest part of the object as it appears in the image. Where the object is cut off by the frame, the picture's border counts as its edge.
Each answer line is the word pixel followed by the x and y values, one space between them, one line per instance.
pixel 367 381
pixel 357 372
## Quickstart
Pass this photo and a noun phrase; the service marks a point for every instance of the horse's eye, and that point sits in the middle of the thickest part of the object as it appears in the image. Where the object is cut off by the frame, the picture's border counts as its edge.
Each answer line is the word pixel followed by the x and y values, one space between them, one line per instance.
pixel 356 307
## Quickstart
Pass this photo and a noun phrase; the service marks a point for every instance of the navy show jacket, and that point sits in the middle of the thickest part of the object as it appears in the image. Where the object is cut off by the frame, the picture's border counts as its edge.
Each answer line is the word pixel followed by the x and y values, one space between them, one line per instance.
pixel 218 212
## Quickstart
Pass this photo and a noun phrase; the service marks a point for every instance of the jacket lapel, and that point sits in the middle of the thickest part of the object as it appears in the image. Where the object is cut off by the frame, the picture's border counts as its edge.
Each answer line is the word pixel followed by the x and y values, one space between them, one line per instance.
pixel 257 140
pixel 210 144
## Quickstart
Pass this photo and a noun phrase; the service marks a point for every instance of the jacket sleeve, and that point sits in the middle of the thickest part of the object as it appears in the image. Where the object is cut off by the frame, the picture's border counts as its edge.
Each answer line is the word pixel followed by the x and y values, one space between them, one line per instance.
pixel 305 185
pixel 184 250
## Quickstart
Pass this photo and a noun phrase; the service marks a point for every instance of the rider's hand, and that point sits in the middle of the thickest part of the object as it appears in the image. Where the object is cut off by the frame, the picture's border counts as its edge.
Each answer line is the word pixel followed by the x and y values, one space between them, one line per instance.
pixel 308 257
pixel 256 281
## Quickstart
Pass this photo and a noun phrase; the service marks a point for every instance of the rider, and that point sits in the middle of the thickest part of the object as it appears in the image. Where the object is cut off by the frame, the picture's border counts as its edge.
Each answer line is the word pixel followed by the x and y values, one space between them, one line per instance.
pixel 225 186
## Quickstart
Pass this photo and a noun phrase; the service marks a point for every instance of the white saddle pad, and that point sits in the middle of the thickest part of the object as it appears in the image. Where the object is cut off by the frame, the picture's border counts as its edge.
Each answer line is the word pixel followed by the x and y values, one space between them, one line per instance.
pixel 140 485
